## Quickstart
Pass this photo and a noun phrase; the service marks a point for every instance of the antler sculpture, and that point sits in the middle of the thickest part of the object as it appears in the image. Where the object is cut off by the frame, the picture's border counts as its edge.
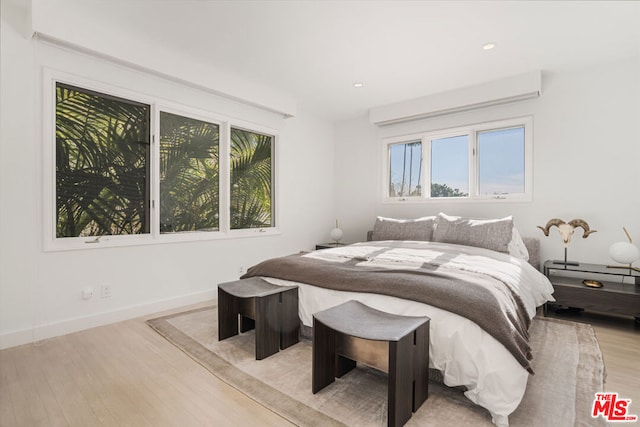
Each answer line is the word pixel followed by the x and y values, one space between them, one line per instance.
pixel 566 229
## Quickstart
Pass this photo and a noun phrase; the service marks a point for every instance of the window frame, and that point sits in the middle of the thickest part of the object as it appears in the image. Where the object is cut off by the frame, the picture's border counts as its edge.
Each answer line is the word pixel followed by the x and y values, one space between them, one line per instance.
pixel 274 145
pixel 155 174
pixel 275 210
pixel 472 131
pixel 146 228
pixel 53 243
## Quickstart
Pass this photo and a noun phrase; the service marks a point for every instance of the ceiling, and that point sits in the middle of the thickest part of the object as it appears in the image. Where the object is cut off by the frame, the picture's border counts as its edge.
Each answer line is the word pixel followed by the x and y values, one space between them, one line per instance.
pixel 315 50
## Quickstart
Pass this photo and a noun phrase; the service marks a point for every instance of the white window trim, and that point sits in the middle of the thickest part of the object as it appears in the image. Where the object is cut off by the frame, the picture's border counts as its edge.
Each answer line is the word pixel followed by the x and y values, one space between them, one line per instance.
pixel 275 208
pixel 53 243
pixel 386 158
pixel 472 131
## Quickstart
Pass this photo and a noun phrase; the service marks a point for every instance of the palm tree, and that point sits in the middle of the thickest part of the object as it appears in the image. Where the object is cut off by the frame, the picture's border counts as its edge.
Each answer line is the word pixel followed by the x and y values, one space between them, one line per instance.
pixel 407 187
pixel 102 152
pixel 251 180
pixel 189 174
pixel 103 178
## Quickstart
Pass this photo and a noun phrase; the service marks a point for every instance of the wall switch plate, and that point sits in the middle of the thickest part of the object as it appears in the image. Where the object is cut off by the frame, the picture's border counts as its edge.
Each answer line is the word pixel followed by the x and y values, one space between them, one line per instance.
pixel 105 291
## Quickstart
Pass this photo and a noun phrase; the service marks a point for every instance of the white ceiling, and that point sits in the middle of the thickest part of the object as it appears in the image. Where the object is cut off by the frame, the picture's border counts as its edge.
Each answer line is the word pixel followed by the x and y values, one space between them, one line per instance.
pixel 315 50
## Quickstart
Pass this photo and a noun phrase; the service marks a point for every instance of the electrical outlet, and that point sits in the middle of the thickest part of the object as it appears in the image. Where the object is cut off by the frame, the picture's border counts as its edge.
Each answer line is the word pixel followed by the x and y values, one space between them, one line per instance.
pixel 105 291
pixel 241 270
pixel 87 293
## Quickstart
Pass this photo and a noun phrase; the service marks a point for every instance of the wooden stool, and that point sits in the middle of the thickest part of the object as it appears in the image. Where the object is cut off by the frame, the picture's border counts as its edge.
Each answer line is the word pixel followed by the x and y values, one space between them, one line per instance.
pixel 272 310
pixel 398 345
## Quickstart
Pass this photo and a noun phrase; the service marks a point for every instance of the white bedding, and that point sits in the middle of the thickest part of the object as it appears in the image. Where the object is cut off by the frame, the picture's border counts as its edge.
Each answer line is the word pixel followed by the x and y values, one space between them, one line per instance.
pixel 460 349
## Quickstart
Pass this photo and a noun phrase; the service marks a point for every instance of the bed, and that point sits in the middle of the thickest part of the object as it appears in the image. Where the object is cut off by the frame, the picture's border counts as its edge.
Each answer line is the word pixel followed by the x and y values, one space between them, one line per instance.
pixel 480 300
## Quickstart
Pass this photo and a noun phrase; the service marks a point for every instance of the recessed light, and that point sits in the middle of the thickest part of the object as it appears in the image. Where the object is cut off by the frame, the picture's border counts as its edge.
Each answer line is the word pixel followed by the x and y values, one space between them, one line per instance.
pixel 488 46
pixel 358 84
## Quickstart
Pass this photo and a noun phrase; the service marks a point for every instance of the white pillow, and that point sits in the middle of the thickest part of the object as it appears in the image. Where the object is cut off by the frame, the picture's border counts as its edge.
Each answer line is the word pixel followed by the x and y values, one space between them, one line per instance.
pixel 516 246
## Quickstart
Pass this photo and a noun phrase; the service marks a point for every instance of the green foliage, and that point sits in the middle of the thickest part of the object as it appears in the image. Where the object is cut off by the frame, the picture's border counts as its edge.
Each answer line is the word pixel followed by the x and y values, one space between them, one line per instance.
pixel 103 170
pixel 251 180
pixel 443 190
pixel 101 164
pixel 189 168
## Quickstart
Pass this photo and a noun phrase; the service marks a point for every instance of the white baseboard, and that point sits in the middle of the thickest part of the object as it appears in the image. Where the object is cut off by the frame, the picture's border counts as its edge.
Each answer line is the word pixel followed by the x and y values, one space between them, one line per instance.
pixel 46 331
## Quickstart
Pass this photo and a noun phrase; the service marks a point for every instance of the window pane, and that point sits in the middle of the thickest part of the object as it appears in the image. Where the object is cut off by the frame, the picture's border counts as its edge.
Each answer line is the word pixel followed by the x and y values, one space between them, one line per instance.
pixel 102 166
pixel 405 168
pixel 501 161
pixel 189 183
pixel 251 180
pixel 450 166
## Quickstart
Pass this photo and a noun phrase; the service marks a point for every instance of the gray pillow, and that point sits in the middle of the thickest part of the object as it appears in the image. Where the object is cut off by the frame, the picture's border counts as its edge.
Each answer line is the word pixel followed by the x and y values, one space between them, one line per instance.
pixel 404 229
pixel 494 234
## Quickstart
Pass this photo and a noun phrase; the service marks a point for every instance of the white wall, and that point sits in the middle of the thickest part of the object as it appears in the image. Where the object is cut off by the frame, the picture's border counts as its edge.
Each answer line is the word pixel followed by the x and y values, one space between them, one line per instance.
pixel 40 292
pixel 96 26
pixel 586 162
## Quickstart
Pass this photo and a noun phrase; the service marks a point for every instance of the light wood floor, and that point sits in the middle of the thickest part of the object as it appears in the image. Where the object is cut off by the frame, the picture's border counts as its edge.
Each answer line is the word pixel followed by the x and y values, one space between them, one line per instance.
pixel 126 374
pixel 120 374
pixel 619 339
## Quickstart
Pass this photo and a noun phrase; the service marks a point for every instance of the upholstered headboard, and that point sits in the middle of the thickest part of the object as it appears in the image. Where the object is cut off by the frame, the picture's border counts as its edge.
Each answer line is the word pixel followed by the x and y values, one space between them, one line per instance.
pixel 532 244
pixel 533 247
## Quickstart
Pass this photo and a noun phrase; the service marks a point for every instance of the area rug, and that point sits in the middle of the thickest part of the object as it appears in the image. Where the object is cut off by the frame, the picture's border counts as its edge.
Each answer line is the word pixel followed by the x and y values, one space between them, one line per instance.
pixel 567 361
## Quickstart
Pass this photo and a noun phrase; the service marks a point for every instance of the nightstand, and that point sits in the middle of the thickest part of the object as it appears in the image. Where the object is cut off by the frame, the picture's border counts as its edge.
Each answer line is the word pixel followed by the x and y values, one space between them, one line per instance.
pixel 330 245
pixel 613 297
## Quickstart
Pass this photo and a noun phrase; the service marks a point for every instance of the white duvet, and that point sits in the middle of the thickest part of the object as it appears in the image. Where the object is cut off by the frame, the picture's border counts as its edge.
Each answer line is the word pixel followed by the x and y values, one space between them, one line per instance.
pixel 459 348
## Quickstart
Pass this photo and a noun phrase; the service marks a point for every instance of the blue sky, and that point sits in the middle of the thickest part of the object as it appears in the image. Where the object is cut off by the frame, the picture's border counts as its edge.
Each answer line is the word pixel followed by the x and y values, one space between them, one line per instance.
pixel 450 162
pixel 501 163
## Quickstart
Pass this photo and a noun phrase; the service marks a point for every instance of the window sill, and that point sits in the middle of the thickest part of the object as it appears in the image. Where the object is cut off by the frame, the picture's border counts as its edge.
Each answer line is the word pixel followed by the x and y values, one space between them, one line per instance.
pixel 501 199
pixel 87 243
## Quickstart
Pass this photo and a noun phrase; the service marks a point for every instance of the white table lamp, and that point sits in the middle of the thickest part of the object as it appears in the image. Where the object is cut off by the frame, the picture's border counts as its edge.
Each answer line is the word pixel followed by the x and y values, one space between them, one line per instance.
pixel 624 253
pixel 336 233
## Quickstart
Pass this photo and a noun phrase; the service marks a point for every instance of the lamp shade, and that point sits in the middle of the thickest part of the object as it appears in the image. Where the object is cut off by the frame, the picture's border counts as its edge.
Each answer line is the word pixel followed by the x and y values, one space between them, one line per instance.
pixel 624 252
pixel 336 234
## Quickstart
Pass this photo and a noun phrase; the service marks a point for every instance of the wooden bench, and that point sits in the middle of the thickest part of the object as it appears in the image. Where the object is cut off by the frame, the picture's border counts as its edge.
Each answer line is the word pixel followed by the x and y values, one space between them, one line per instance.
pixel 272 310
pixel 397 345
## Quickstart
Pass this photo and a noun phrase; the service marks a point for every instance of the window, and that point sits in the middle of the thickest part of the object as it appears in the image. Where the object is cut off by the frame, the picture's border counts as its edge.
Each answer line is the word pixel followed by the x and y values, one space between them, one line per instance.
pixel 450 166
pixel 489 161
pixel 189 181
pixel 501 161
pixel 251 179
pixel 129 169
pixel 405 167
pixel 102 164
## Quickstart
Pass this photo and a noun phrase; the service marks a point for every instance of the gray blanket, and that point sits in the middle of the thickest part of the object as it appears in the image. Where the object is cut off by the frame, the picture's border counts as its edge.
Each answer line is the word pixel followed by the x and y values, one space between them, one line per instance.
pixel 483 299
